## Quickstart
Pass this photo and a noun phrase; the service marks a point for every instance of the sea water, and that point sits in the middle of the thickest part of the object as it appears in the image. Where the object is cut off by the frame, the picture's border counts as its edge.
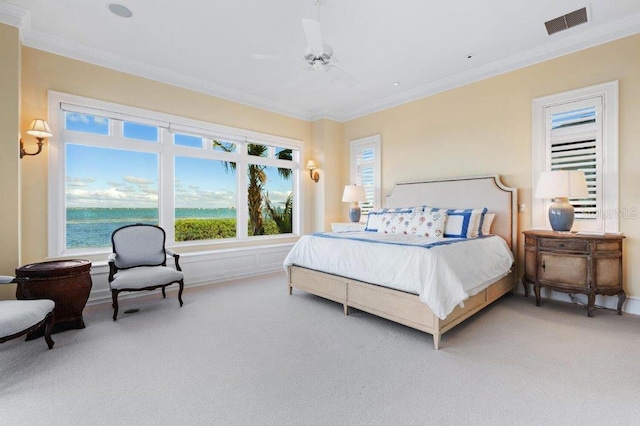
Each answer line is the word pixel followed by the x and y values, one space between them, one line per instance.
pixel 92 227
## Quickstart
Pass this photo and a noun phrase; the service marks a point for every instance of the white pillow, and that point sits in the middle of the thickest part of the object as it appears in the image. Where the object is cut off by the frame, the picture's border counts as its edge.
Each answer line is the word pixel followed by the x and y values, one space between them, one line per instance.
pixel 427 224
pixel 374 219
pixel 462 223
pixel 486 223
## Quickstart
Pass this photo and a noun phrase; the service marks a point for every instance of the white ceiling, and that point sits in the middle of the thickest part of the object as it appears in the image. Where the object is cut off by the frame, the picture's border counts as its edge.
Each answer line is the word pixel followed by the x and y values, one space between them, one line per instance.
pixel 210 45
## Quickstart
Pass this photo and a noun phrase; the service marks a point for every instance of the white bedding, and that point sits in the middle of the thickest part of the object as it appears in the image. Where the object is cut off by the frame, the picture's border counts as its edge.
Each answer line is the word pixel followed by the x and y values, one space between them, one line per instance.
pixel 443 275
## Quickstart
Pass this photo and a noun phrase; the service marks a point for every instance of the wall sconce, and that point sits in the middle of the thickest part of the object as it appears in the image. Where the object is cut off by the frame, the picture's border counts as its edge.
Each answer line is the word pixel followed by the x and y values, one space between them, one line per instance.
pixel 40 129
pixel 311 166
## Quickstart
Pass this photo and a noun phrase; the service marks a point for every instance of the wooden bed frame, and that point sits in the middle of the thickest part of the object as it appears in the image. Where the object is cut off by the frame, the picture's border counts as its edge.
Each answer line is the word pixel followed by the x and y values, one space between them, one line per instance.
pixel 406 308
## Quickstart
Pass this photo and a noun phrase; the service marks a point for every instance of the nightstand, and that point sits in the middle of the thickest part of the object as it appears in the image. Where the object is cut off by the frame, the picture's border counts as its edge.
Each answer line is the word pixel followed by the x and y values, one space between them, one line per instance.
pixel 574 263
pixel 347 227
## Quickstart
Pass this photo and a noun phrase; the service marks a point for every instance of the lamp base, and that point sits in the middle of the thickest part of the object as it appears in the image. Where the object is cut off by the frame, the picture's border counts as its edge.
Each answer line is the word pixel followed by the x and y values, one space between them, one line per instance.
pixel 354 213
pixel 561 214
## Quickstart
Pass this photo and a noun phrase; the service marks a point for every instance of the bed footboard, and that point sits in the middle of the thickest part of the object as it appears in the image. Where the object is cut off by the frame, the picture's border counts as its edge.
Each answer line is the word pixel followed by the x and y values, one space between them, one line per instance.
pixel 394 305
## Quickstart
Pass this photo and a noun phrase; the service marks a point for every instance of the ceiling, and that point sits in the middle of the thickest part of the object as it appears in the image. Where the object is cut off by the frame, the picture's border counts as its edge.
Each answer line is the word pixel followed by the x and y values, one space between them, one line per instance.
pixel 251 51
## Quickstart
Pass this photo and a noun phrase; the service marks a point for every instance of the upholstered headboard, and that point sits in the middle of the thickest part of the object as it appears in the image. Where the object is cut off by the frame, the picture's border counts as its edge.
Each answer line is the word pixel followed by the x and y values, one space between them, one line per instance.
pixel 464 192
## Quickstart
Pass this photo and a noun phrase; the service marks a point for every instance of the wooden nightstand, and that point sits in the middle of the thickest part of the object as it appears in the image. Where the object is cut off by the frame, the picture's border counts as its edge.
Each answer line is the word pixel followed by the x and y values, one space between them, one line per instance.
pixel 574 263
pixel 347 227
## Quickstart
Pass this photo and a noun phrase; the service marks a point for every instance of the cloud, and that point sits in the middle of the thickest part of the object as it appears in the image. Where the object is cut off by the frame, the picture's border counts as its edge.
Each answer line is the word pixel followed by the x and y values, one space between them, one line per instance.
pixel 137 180
pixel 79 182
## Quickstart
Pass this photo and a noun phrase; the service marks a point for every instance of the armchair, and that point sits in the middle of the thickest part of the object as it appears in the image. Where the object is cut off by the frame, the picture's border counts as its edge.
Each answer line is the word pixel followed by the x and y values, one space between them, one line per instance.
pixel 19 317
pixel 139 262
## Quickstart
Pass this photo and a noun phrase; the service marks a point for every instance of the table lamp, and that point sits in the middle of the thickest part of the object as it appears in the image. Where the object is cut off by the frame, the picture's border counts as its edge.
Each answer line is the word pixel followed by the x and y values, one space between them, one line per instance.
pixel 560 185
pixel 352 194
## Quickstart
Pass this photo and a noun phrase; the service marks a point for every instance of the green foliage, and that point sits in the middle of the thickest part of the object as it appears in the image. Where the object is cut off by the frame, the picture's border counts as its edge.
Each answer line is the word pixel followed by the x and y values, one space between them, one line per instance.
pixel 283 218
pixel 211 229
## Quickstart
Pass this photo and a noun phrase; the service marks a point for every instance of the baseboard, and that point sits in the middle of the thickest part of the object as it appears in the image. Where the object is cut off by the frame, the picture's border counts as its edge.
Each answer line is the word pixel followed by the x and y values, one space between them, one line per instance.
pixel 631 305
pixel 203 268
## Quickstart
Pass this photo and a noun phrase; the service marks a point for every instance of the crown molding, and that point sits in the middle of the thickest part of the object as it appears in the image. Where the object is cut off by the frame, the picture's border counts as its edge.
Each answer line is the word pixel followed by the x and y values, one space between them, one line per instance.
pixel 12 15
pixel 42 41
pixel 578 41
pixel 19 17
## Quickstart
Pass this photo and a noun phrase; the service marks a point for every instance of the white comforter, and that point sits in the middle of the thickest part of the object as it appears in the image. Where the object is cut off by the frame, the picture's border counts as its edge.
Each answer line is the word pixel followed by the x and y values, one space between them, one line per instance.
pixel 443 273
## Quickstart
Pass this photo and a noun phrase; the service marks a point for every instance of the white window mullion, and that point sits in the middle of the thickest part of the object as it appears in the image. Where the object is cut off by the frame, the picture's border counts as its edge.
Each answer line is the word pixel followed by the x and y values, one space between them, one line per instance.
pixel 166 187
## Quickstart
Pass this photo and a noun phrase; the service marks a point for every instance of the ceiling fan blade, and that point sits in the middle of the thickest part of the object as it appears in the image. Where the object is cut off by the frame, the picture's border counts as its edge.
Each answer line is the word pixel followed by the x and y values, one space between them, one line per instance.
pixel 339 75
pixel 313 34
pixel 275 58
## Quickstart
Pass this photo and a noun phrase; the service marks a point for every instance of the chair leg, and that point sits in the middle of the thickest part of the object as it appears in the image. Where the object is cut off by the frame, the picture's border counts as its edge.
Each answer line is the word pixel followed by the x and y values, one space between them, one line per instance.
pixel 48 325
pixel 164 295
pixel 114 297
pixel 181 283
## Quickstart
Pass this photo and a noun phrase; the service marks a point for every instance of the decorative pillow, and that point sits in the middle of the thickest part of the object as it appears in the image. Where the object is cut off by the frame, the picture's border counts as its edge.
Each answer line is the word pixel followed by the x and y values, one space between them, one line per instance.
pixel 395 222
pixel 462 223
pixel 427 224
pixel 486 223
pixel 374 219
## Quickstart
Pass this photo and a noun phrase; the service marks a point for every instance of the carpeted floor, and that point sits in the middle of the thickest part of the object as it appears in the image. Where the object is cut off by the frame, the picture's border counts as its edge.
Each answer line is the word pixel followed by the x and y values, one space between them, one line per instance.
pixel 248 353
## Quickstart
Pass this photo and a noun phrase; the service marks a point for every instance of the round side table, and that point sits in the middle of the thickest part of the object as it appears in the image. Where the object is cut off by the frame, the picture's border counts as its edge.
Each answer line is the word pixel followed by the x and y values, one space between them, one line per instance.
pixel 66 282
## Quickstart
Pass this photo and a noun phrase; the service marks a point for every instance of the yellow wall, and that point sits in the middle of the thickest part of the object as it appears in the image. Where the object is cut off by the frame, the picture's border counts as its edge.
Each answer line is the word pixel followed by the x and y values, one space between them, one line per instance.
pixel 43 71
pixel 9 163
pixel 333 164
pixel 485 127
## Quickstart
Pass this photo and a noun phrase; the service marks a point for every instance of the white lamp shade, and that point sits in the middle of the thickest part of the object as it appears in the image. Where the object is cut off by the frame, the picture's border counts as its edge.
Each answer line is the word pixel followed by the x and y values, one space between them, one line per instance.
pixel 311 165
pixel 354 193
pixel 40 129
pixel 562 183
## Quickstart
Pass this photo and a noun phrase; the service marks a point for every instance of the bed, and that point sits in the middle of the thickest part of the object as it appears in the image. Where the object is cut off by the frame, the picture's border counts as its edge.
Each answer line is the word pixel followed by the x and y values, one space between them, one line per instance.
pixel 411 303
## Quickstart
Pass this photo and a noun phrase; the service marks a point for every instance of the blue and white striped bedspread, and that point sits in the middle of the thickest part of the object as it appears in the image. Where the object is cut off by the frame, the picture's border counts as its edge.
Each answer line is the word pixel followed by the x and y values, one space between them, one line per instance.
pixel 444 273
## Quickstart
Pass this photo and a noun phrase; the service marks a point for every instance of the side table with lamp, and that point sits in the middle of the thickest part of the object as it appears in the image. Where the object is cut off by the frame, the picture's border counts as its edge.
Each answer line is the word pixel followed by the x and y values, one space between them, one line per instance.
pixel 560 260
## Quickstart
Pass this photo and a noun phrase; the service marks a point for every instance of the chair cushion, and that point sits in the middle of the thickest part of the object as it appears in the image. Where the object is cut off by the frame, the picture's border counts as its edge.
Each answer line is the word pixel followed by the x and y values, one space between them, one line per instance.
pixel 19 315
pixel 144 276
pixel 138 245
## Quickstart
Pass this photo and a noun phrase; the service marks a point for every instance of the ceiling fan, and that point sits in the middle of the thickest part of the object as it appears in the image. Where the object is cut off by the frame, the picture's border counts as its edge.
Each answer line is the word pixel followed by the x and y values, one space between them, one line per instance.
pixel 318 56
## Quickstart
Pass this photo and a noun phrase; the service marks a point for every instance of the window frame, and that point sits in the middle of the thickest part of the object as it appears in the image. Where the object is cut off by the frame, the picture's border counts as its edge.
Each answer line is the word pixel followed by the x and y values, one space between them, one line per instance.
pixel 608 218
pixel 355 146
pixel 167 150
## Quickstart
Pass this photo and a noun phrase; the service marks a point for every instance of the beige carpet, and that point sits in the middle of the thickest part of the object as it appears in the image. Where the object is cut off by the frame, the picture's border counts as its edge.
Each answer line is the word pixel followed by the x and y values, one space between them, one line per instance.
pixel 248 353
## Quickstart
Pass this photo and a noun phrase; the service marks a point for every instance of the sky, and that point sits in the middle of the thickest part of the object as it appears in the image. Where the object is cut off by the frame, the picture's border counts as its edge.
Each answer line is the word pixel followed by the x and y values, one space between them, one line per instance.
pixel 104 177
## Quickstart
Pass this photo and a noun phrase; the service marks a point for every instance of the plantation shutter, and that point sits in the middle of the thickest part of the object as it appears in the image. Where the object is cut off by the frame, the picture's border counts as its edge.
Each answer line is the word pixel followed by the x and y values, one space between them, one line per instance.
pixel 574 142
pixel 365 175
pixel 365 170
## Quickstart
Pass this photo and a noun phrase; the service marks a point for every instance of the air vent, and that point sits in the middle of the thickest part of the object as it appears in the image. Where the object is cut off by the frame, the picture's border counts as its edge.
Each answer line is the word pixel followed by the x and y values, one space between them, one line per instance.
pixel 567 21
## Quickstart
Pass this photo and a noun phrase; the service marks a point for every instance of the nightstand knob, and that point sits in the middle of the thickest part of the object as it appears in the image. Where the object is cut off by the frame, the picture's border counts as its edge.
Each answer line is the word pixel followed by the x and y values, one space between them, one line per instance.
pixel 543 266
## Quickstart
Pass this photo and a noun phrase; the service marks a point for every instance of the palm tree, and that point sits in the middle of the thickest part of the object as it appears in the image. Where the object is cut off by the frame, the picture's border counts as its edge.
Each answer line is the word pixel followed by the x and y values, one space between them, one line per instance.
pixel 257 180
pixel 284 218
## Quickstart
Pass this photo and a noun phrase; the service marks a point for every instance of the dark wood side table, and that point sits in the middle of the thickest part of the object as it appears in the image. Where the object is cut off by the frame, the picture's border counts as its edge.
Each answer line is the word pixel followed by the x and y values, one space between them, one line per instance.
pixel 574 263
pixel 66 282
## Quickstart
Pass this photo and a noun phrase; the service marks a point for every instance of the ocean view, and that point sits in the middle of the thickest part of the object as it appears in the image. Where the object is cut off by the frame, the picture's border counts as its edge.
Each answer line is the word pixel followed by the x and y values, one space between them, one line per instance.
pixel 92 227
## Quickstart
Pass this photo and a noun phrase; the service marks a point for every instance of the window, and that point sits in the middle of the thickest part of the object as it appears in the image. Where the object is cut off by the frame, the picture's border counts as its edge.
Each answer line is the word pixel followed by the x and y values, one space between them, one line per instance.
pixel 578 130
pixel 112 165
pixel 366 170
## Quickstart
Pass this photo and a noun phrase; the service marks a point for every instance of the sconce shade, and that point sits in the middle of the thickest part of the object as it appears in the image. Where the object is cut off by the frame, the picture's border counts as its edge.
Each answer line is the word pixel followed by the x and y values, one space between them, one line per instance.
pixel 354 193
pixel 311 166
pixel 40 129
pixel 562 185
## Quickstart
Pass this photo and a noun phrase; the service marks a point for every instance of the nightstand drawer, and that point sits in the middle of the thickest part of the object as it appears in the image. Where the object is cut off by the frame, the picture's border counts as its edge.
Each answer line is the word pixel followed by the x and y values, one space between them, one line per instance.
pixel 564 245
